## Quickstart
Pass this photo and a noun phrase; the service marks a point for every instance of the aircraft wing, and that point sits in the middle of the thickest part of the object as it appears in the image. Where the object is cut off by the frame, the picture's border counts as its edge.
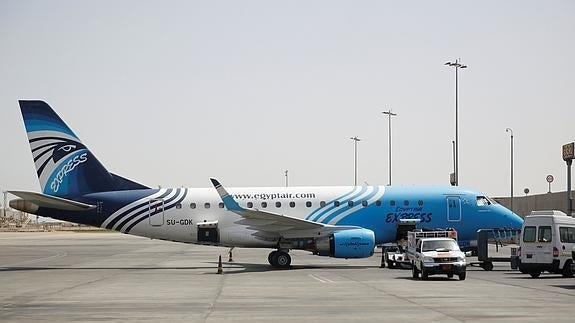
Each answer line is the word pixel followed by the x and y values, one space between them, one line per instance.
pixel 270 224
pixel 32 200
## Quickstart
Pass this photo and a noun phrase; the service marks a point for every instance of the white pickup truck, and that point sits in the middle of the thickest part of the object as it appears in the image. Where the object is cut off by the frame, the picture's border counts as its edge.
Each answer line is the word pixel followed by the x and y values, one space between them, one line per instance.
pixel 435 252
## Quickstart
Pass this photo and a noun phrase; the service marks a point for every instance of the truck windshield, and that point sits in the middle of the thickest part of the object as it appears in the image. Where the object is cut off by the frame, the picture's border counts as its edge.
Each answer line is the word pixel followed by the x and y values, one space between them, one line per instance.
pixel 437 245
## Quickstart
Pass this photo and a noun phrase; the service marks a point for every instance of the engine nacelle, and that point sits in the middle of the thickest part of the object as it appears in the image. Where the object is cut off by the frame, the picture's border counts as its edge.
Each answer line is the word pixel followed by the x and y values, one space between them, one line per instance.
pixel 355 243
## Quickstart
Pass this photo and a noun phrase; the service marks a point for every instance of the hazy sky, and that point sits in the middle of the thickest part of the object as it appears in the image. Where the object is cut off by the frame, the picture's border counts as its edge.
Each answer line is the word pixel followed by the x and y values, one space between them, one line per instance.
pixel 173 92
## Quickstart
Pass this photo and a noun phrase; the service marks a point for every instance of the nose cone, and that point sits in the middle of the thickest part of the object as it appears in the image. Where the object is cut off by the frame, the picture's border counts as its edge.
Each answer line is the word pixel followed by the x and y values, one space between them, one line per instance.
pixel 512 220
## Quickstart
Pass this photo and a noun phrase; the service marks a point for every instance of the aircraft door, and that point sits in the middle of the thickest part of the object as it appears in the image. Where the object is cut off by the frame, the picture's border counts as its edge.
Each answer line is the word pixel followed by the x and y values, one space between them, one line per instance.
pixel 208 232
pixel 156 212
pixel 453 208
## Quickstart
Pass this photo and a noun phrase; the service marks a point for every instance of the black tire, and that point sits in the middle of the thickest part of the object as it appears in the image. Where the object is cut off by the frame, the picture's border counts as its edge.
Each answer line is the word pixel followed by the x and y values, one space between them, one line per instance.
pixel 424 274
pixel 462 275
pixel 281 259
pixel 414 271
pixel 391 265
pixel 449 275
pixel 535 274
pixel 567 272
pixel 271 257
pixel 487 265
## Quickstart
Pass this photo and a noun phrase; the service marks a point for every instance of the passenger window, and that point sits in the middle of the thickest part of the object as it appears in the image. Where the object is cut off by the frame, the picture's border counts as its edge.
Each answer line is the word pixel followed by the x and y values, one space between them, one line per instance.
pixel 567 234
pixel 544 234
pixel 221 205
pixel 378 203
pixel 250 205
pixel 322 203
pixel 207 205
pixel 178 206
pixel 264 204
pixel 336 203
pixel 392 203
pixel 350 203
pixel 192 205
pixel 529 234
pixel 406 202
pixel 420 203
pixel 364 203
pixel 308 204
pixel 278 204
pixel 291 204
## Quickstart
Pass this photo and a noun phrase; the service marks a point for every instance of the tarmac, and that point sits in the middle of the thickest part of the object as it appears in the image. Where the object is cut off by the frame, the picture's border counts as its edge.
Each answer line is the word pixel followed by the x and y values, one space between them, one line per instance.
pixel 89 277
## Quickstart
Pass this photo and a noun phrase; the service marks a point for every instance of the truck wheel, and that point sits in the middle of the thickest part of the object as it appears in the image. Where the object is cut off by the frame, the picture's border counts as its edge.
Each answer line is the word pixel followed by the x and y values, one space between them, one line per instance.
pixel 535 274
pixel 414 271
pixel 462 275
pixel 391 265
pixel 449 275
pixel 424 273
pixel 567 272
pixel 487 265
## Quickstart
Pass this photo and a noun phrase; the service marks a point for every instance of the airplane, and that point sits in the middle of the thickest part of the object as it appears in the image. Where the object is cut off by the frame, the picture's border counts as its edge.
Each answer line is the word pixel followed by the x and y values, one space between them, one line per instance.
pixel 340 221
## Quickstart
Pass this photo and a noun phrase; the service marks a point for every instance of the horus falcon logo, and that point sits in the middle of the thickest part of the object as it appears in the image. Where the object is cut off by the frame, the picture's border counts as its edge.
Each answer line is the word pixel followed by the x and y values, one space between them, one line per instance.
pixel 55 158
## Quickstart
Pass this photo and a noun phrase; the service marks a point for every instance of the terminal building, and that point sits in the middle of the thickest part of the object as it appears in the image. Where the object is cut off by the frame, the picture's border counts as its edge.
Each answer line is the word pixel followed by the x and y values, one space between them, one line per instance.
pixel 523 205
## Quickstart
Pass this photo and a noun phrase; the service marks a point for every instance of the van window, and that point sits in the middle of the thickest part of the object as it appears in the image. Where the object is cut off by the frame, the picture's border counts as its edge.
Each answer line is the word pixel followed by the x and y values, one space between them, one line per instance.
pixel 544 234
pixel 567 234
pixel 529 234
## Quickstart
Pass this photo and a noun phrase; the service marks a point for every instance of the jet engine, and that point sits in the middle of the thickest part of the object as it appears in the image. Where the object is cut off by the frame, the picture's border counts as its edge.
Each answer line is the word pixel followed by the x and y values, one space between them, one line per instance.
pixel 354 243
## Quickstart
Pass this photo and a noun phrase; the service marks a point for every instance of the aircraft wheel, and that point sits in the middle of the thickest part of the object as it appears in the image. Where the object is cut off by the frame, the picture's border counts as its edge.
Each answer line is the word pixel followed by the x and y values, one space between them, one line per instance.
pixel 281 259
pixel 271 257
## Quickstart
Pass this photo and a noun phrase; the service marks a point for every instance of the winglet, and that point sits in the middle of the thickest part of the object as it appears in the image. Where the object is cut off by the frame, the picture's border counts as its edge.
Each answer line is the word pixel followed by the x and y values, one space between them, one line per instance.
pixel 228 200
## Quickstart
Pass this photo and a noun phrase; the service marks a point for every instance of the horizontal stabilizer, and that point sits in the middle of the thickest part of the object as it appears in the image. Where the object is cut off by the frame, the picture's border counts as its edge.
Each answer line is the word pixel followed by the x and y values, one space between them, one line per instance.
pixel 31 201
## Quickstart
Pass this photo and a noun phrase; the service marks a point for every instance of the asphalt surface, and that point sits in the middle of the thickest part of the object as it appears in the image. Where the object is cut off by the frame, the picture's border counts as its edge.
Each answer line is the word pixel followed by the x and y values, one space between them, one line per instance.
pixel 88 277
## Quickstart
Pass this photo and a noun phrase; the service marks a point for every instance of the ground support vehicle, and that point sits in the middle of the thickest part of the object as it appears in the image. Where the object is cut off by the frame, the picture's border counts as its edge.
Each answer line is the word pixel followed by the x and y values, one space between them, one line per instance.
pixel 547 241
pixel 435 252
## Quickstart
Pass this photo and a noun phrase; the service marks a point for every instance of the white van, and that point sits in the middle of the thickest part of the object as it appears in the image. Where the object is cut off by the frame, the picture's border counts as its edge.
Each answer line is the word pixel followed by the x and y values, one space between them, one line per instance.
pixel 547 238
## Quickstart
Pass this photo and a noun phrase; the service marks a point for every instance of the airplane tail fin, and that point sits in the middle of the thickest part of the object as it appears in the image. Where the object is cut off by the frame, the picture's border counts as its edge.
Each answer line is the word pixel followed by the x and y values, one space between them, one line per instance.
pixel 65 167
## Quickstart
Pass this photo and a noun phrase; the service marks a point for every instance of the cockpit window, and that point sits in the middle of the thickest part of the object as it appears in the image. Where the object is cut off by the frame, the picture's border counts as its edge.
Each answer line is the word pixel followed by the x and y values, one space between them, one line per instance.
pixel 482 201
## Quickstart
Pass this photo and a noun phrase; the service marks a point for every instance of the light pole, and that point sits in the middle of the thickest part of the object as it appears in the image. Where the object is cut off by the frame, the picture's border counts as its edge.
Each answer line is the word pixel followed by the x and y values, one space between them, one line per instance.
pixel 457 66
pixel 511 132
pixel 286 175
pixel 389 114
pixel 355 140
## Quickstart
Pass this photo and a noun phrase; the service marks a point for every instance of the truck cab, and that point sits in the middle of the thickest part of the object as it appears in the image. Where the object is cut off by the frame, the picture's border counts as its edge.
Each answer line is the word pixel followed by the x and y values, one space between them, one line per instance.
pixel 436 252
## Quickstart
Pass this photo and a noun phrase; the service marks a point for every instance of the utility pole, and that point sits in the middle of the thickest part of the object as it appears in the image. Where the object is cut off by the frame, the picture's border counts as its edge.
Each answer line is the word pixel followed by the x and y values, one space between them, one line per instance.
pixel 568 156
pixel 511 131
pixel 457 66
pixel 389 114
pixel 355 140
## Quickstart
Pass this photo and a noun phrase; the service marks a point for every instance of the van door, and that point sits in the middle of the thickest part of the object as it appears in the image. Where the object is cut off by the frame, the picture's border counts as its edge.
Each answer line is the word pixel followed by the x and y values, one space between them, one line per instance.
pixel 544 244
pixel 529 244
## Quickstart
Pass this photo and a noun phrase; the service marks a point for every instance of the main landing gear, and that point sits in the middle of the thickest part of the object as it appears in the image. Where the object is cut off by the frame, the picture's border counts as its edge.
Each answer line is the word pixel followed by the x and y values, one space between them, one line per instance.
pixel 279 259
